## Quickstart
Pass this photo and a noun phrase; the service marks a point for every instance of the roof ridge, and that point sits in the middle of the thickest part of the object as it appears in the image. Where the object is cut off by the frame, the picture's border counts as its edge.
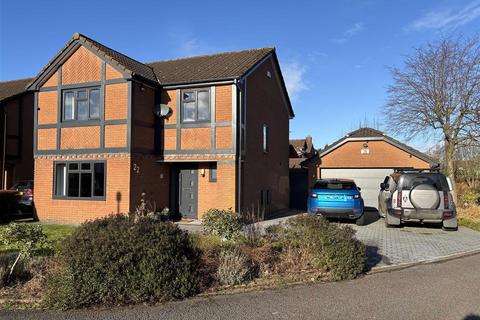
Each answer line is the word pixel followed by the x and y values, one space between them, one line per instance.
pixel 211 55
pixel 19 79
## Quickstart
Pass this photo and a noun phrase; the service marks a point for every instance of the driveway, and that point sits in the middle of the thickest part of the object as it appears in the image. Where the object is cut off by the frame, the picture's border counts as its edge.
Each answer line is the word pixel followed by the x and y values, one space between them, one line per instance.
pixel 447 290
pixel 412 243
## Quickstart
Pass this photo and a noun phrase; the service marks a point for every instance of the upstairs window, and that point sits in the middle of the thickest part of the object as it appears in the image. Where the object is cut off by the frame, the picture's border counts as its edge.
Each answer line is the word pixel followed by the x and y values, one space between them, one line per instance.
pixel 196 105
pixel 82 180
pixel 81 104
pixel 265 138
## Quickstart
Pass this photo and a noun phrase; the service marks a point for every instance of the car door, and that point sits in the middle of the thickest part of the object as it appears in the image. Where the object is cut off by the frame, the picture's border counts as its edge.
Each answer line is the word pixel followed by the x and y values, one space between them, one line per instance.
pixel 383 197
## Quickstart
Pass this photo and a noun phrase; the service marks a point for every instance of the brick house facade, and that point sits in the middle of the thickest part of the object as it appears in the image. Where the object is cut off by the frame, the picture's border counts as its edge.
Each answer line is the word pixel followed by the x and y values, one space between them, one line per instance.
pixel 191 134
pixel 16 132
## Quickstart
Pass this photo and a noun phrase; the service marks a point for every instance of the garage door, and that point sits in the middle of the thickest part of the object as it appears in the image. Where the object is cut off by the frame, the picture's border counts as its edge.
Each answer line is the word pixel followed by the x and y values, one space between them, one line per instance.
pixel 367 179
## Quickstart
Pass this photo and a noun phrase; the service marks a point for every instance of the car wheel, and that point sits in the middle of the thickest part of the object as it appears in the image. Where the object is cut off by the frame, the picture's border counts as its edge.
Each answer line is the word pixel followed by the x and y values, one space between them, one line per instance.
pixel 361 221
pixel 388 225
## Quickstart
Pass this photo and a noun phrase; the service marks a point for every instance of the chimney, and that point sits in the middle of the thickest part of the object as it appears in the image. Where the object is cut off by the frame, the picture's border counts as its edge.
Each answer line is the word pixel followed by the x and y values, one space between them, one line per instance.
pixel 309 143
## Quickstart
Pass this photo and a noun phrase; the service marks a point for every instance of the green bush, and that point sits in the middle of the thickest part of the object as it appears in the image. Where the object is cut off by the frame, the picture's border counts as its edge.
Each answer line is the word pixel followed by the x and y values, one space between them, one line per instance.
pixel 470 198
pixel 234 267
pixel 326 246
pixel 225 224
pixel 119 260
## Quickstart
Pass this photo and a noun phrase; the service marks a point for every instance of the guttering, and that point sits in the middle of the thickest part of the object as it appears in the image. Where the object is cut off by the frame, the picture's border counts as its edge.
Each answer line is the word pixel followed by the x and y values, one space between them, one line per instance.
pixel 193 84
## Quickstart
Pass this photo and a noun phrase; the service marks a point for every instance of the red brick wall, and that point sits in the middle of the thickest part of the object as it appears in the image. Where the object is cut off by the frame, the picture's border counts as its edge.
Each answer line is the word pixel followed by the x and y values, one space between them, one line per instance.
pixel 143 131
pixel 116 101
pixel 220 194
pixel 47 139
pixel 151 178
pixel 223 103
pixel 82 66
pixel 112 73
pixel 76 211
pixel 116 136
pixel 47 107
pixel 223 137
pixel 381 155
pixel 195 139
pixel 19 151
pixel 80 138
pixel 52 81
pixel 265 171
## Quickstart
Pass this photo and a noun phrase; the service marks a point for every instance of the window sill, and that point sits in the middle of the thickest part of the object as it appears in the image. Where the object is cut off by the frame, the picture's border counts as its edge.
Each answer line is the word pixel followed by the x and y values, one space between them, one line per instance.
pixel 78 198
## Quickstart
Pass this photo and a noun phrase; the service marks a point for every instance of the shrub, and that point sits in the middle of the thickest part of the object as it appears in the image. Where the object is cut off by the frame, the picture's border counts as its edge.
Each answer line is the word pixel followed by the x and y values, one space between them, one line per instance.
pixel 223 223
pixel 308 240
pixel 19 273
pixel 26 238
pixel 234 267
pixel 118 260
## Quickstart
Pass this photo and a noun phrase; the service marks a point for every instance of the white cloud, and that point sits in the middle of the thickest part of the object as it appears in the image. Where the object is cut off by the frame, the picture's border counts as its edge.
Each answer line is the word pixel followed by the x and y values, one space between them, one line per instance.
pixel 350 32
pixel 294 75
pixel 447 18
pixel 193 47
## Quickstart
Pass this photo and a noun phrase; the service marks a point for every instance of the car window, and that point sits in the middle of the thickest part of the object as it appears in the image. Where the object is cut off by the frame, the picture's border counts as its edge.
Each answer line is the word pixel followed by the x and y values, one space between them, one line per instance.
pixel 22 185
pixel 392 185
pixel 335 185
pixel 436 180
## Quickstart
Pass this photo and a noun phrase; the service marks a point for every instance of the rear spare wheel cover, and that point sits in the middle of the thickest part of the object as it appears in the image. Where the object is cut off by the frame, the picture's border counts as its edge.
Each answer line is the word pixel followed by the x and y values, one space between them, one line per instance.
pixel 424 196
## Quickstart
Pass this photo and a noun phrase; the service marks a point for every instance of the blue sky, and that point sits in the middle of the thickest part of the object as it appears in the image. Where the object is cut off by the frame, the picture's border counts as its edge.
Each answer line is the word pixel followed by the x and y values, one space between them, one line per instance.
pixel 334 54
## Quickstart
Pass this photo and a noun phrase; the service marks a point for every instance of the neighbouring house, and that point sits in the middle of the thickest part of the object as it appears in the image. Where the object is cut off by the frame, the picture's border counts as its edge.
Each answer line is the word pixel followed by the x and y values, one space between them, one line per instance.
pixel 303 163
pixel 16 132
pixel 191 134
pixel 368 155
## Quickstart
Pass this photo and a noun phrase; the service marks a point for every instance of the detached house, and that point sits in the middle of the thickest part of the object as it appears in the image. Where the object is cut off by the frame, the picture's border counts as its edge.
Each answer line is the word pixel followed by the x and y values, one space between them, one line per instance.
pixel 191 134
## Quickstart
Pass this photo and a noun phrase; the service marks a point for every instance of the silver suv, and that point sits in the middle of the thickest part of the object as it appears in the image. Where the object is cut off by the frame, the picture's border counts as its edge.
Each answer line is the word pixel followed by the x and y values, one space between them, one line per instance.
pixel 424 196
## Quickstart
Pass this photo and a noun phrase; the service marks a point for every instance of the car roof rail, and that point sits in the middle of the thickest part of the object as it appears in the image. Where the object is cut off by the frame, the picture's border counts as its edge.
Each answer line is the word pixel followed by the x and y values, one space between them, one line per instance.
pixel 413 170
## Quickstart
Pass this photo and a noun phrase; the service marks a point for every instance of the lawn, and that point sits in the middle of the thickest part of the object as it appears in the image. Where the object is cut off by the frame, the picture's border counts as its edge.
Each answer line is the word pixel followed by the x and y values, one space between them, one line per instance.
pixel 54 232
pixel 469 217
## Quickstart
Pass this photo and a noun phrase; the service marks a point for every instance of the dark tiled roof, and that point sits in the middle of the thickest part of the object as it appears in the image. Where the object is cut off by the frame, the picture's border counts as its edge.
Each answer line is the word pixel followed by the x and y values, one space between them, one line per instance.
pixel 366 132
pixel 373 133
pixel 223 66
pixel 13 87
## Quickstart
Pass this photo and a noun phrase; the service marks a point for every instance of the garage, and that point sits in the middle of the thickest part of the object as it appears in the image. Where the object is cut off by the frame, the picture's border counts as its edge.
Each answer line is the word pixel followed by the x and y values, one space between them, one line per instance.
pixel 366 156
pixel 367 179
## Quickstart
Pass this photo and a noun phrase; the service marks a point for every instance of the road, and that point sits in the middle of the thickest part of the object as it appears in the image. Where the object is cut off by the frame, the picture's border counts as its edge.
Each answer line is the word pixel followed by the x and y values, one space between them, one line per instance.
pixel 448 290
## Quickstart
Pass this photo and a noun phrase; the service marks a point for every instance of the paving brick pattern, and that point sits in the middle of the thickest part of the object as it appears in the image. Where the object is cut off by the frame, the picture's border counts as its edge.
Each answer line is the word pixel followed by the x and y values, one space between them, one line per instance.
pixel 413 243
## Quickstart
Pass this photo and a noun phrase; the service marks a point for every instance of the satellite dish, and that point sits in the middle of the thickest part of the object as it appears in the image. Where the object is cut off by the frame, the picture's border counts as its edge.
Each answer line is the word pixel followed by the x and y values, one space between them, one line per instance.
pixel 162 111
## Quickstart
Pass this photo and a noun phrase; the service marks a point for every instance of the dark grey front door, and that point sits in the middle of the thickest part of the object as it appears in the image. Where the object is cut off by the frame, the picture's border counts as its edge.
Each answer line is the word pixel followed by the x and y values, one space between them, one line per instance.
pixel 188 191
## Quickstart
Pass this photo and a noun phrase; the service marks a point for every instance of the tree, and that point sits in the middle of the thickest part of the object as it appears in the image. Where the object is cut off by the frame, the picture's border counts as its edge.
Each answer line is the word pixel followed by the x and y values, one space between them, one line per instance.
pixel 438 91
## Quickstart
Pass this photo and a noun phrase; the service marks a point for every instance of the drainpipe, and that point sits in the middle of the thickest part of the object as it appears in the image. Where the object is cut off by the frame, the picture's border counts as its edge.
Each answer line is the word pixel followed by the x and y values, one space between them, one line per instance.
pixel 4 148
pixel 239 143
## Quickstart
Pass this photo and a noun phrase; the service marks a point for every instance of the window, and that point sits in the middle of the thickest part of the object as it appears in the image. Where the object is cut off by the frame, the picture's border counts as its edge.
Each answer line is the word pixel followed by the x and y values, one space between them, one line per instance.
pixel 213 172
pixel 79 180
pixel 335 185
pixel 81 104
pixel 265 138
pixel 196 105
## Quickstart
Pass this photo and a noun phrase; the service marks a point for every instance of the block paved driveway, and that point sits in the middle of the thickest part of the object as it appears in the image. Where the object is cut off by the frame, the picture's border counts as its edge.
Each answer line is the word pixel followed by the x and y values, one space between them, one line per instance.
pixel 411 243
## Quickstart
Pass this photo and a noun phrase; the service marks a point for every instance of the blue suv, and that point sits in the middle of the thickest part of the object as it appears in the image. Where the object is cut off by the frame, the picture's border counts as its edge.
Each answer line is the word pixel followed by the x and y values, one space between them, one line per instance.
pixel 337 198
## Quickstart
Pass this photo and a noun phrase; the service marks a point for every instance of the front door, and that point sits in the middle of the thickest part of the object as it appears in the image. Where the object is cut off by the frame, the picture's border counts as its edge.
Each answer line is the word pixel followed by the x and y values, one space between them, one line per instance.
pixel 188 191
